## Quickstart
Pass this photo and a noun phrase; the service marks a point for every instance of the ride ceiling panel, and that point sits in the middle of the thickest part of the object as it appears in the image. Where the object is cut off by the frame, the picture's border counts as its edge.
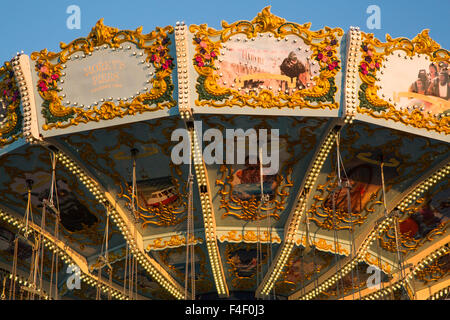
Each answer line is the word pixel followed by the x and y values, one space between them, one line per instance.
pixel 236 187
pixel 304 268
pixel 161 184
pixel 266 65
pixel 240 263
pixel 174 261
pixel 407 157
pixel 109 78
pixel 421 224
pixel 83 219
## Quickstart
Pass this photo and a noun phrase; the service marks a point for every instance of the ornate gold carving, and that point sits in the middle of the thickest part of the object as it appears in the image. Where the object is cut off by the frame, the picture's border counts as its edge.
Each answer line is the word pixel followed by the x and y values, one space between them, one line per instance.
pixel 250 209
pixel 249 236
pixel 49 64
pixel 381 109
pixel 319 96
pixel 173 242
pixel 10 130
pixel 439 269
pixel 324 245
pixel 373 260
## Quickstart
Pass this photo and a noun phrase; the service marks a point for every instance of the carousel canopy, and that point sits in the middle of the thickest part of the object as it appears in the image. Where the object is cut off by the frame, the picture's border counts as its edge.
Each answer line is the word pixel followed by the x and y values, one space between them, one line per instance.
pixel 259 160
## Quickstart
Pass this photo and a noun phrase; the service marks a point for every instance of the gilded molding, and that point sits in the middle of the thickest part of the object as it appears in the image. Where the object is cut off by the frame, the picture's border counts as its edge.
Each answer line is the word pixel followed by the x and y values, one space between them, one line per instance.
pixel 11 125
pixel 319 96
pixel 49 72
pixel 372 105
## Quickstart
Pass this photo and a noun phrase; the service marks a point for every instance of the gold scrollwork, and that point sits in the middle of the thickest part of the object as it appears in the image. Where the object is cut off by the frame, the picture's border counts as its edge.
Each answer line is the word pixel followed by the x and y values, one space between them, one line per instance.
pixel 251 209
pixel 439 269
pixel 174 241
pixel 315 97
pixel 10 128
pixel 157 98
pixel 249 236
pixel 381 109
pixel 323 215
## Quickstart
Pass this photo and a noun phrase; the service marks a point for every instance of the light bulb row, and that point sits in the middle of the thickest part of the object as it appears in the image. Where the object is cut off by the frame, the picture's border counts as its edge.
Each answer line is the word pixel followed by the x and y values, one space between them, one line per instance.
pixel 30 285
pixel 17 223
pixel 25 94
pixel 181 40
pixel 351 89
pixel 141 257
pixel 208 217
pixel 320 159
pixel 440 294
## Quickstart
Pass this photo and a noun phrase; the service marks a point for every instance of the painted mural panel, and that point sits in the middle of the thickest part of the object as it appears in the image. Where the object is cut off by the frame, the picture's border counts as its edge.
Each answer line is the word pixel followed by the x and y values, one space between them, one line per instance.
pixel 271 65
pixel 109 77
pixel 406 81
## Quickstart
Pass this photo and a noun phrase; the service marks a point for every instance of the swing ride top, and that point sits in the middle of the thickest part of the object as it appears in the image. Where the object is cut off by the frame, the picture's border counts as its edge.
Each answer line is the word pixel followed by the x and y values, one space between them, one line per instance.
pixel 91 199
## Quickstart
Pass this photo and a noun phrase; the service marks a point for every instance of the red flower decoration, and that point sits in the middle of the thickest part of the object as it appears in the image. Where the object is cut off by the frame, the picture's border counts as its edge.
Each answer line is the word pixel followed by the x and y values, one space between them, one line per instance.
pixel 319 56
pixel 55 77
pixel 363 66
pixel 365 71
pixel 213 54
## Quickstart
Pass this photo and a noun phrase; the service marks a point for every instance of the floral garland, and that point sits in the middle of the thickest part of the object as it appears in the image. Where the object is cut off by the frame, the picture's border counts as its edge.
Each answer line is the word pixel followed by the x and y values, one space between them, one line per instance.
pixel 370 64
pixel 206 55
pixel 160 57
pixel 48 88
pixel 327 57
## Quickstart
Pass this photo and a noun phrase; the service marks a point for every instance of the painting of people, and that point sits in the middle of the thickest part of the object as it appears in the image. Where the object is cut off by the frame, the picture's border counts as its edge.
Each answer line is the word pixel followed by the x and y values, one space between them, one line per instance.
pixel 416 83
pixel 264 64
pixel 433 212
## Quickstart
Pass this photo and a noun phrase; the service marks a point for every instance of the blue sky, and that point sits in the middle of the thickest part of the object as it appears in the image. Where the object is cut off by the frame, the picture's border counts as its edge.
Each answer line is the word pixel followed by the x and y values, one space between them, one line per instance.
pixel 34 25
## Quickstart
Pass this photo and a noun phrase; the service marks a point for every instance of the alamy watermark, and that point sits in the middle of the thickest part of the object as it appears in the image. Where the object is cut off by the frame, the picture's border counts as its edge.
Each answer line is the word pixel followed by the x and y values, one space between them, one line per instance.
pixel 74 19
pixel 74 280
pixel 249 147
pixel 374 20
pixel 374 280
